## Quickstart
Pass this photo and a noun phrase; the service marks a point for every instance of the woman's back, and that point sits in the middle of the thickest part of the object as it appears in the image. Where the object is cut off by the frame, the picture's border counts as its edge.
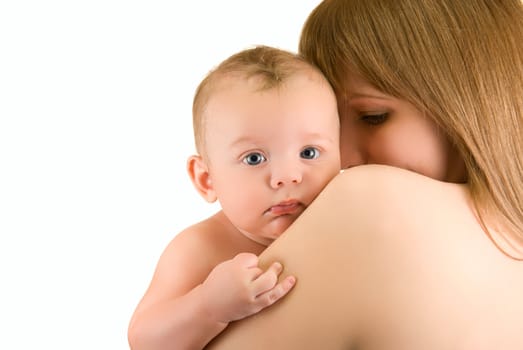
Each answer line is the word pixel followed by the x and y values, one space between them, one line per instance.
pixel 402 264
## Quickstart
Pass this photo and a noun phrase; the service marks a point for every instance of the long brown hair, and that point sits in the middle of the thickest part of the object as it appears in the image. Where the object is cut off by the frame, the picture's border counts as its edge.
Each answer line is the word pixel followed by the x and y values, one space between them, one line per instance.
pixel 460 62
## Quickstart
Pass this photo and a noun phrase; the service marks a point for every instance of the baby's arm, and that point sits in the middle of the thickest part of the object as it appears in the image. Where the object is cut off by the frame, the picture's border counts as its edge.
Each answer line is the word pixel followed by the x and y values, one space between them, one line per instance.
pixel 179 311
pixel 238 288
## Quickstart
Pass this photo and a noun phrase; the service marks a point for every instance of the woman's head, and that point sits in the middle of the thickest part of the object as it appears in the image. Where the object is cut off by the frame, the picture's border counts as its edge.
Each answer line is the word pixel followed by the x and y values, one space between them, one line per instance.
pixel 459 63
pixel 379 128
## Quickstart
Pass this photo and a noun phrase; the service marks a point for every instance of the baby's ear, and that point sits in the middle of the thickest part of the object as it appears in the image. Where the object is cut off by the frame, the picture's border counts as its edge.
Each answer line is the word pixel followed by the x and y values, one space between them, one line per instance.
pixel 200 177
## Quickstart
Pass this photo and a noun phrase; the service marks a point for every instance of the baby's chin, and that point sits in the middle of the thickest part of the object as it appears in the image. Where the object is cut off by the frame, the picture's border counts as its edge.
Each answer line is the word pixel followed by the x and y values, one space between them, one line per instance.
pixel 278 225
pixel 271 230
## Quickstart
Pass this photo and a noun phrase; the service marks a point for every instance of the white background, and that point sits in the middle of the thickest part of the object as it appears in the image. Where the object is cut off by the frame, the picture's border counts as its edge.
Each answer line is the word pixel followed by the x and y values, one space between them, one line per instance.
pixel 95 129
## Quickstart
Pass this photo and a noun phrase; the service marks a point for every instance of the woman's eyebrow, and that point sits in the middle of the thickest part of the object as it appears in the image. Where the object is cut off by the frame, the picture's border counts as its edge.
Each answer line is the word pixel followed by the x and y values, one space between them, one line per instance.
pixel 359 95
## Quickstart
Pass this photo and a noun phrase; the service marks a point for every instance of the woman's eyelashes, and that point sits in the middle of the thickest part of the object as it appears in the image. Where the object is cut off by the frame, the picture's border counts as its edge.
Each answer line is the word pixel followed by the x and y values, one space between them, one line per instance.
pixel 257 158
pixel 374 119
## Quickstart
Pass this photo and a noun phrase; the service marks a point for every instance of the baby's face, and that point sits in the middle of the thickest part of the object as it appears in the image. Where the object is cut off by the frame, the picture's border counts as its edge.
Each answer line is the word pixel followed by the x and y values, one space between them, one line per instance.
pixel 271 152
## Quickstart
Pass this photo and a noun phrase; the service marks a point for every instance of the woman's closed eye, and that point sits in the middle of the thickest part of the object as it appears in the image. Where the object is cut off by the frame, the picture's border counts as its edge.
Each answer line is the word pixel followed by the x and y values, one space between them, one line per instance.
pixel 310 153
pixel 374 119
pixel 254 158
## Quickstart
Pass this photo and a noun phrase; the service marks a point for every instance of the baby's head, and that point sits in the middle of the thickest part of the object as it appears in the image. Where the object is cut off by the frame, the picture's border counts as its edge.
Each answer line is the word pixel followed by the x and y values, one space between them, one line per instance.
pixel 259 69
pixel 267 135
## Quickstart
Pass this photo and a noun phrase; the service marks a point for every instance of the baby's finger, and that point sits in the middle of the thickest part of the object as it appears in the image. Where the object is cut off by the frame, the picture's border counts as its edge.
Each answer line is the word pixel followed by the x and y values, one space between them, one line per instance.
pixel 267 280
pixel 246 260
pixel 280 290
pixel 253 273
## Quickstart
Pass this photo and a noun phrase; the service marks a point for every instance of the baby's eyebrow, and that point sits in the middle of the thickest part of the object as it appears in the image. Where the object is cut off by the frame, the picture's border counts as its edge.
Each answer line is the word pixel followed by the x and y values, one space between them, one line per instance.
pixel 243 143
pixel 317 137
pixel 243 140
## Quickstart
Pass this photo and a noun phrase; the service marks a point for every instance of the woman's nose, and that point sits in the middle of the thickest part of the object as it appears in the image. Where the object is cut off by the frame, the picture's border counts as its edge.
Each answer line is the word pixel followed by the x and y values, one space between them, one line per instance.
pixel 286 175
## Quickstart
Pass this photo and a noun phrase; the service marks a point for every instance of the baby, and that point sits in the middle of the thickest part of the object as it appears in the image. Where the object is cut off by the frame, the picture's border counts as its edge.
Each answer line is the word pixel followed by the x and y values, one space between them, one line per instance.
pixel 267 135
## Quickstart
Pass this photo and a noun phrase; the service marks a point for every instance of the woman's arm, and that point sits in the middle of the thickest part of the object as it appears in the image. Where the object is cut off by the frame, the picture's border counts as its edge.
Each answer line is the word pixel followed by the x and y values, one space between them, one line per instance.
pixel 359 262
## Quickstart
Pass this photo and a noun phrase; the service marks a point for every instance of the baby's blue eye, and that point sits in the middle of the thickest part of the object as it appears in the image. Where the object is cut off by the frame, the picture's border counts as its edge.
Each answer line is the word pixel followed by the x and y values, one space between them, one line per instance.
pixel 310 153
pixel 254 158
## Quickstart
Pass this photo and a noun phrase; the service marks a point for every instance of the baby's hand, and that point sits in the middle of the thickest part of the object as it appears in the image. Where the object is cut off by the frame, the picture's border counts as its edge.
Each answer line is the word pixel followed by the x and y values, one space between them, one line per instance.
pixel 238 288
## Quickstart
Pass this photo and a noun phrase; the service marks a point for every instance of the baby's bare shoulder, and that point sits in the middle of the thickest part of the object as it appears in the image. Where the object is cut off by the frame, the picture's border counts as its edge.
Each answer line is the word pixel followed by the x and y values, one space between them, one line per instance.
pixel 201 238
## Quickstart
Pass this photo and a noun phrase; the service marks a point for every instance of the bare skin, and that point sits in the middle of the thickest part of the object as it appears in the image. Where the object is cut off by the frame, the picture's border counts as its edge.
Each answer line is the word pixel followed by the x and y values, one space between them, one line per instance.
pixel 364 254
pixel 264 177
pixel 158 313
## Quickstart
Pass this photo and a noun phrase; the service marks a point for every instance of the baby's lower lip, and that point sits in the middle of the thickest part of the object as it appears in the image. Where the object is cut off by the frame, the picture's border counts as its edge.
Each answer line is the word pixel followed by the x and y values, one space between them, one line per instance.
pixel 284 209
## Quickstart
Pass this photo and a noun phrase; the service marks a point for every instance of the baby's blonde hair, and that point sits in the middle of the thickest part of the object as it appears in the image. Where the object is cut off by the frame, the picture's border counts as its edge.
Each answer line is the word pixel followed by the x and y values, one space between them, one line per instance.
pixel 460 62
pixel 272 67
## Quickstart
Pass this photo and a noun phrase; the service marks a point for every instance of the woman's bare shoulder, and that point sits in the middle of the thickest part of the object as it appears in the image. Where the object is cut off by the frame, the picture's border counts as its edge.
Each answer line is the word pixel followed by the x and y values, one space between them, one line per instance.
pixel 373 202
pixel 362 255
pixel 391 253
pixel 383 180
pixel 425 248
pixel 376 194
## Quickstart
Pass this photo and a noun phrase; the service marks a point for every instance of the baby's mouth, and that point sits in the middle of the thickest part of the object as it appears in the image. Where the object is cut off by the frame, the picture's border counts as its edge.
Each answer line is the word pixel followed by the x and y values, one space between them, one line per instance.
pixel 285 208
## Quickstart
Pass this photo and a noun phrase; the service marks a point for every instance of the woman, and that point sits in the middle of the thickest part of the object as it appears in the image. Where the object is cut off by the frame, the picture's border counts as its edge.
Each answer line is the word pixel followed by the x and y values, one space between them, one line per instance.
pixel 423 249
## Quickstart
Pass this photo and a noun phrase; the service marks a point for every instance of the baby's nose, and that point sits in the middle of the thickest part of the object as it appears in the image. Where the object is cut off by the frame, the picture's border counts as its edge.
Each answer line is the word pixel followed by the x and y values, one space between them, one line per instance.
pixel 285 176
